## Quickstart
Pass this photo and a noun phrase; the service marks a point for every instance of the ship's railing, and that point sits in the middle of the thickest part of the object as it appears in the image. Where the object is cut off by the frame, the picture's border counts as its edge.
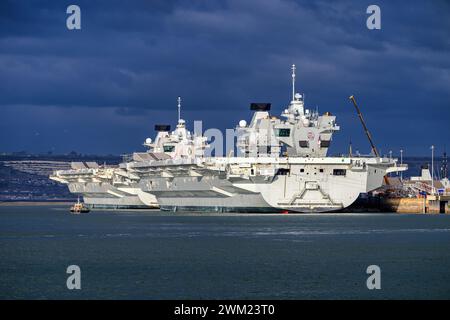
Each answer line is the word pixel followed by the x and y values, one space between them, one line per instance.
pixel 73 172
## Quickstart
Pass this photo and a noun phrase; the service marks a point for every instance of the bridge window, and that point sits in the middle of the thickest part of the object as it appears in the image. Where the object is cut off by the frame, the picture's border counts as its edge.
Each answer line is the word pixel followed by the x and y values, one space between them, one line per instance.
pixel 283 132
pixel 339 172
pixel 168 148
pixel 283 172
pixel 303 144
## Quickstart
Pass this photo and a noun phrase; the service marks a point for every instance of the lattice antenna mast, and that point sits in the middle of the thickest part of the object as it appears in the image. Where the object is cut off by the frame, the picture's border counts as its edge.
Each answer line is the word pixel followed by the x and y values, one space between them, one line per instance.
pixel 179 108
pixel 293 82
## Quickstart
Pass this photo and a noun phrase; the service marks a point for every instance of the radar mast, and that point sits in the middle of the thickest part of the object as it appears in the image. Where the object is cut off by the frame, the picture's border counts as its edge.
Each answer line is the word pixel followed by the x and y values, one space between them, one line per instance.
pixel 179 108
pixel 293 82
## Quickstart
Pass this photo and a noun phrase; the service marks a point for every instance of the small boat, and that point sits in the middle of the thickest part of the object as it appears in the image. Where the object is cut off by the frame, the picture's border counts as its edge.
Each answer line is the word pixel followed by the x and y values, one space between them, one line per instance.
pixel 79 207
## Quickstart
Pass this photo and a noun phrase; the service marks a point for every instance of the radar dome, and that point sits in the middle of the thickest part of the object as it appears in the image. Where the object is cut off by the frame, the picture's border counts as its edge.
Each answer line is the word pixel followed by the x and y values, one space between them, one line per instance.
pixel 242 123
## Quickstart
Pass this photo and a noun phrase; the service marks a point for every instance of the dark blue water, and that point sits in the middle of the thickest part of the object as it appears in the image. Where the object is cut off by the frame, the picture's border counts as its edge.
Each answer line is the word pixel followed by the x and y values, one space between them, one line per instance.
pixel 151 255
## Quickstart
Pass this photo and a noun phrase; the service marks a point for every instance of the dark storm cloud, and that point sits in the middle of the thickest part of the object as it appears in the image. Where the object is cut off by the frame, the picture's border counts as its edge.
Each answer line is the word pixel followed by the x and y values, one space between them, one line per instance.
pixel 135 57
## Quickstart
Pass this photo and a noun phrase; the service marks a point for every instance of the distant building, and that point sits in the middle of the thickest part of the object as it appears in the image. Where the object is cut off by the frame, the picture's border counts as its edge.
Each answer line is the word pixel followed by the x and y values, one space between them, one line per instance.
pixel 423 183
pixel 425 175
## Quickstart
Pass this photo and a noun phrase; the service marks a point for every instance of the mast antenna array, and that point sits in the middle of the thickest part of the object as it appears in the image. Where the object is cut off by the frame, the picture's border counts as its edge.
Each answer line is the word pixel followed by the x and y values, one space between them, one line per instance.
pixel 179 108
pixel 293 82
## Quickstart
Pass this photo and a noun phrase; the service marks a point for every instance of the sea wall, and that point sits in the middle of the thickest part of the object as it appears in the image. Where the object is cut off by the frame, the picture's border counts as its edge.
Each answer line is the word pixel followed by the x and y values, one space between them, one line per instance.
pixel 413 205
pixel 403 205
pixel 399 205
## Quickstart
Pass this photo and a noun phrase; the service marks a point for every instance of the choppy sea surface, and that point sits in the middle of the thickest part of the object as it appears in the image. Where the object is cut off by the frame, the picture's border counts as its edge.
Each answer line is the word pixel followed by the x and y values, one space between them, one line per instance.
pixel 156 255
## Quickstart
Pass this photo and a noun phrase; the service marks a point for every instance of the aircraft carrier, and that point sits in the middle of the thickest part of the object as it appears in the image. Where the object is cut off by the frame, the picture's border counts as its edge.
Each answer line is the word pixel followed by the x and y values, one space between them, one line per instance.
pixel 114 187
pixel 281 166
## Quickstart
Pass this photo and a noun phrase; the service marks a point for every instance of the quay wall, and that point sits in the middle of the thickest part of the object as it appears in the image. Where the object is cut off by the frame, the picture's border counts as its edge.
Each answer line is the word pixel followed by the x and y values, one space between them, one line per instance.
pixel 400 205
pixel 403 205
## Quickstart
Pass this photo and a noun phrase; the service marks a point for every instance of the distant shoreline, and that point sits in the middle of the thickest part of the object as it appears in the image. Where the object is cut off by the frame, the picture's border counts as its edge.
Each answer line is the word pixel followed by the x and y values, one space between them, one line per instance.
pixel 33 203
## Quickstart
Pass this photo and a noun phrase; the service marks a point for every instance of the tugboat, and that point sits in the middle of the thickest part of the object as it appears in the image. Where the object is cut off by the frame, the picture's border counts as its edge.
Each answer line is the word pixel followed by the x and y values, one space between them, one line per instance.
pixel 79 207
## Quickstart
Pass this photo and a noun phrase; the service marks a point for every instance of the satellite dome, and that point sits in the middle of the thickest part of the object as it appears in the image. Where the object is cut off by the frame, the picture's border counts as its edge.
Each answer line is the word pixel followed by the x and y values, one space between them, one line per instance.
pixel 298 96
pixel 242 123
pixel 148 140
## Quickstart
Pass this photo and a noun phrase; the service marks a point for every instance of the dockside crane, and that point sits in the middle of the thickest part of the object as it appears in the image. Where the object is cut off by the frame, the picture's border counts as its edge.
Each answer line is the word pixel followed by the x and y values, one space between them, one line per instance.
pixel 369 137
pixel 374 149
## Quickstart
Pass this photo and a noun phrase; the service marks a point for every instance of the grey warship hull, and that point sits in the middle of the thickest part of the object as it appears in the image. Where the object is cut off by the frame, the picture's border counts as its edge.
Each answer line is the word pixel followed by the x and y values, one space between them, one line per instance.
pixel 105 196
pixel 263 185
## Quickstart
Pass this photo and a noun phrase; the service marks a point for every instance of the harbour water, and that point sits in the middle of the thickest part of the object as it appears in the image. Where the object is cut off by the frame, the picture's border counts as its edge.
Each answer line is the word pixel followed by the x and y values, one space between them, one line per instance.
pixel 156 255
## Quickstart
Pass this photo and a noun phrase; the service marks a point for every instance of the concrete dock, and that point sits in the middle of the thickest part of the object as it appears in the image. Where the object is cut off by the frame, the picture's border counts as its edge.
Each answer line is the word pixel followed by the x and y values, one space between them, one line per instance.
pixel 420 205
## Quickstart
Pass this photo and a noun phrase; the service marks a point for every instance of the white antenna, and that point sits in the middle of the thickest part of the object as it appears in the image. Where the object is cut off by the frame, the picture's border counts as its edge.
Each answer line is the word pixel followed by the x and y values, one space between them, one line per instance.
pixel 432 169
pixel 293 82
pixel 179 108
pixel 401 163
